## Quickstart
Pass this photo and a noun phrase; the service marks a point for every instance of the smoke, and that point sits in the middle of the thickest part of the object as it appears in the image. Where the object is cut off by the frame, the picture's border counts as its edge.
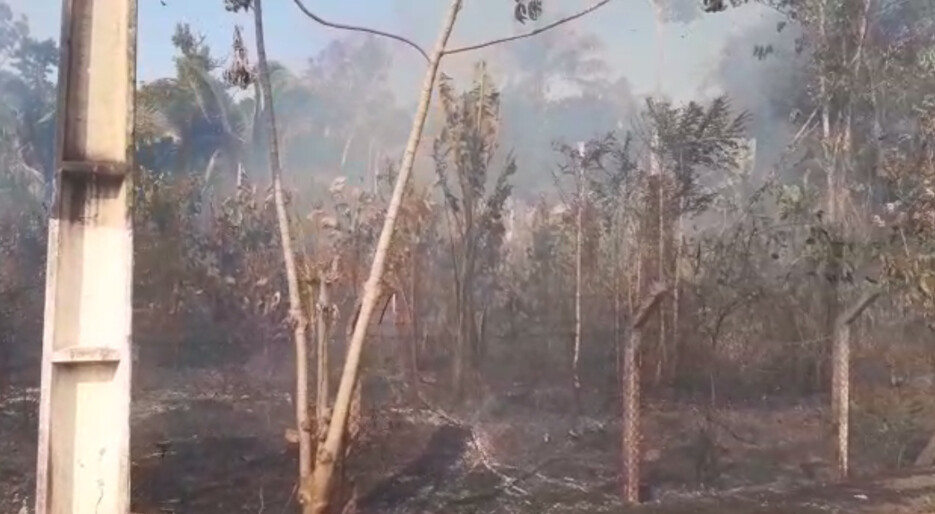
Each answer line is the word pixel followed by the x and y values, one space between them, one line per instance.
pixel 572 83
pixel 679 11
pixel 583 79
pixel 763 74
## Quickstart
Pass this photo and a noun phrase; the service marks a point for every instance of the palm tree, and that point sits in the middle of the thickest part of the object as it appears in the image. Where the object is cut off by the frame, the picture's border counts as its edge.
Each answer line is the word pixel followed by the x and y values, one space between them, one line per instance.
pixel 191 122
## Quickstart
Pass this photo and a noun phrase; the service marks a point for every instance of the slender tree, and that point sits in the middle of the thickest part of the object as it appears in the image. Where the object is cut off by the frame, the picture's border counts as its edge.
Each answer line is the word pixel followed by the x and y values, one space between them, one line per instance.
pixel 317 490
pixel 579 243
pixel 297 314
pixel 463 154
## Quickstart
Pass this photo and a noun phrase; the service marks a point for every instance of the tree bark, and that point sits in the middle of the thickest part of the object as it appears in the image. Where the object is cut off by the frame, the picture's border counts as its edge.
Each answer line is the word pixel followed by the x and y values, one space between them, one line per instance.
pixel 325 321
pixel 347 149
pixel 651 247
pixel 296 314
pixel 659 24
pixel 677 343
pixel 317 490
pixel 835 156
pixel 829 156
pixel 579 221
pixel 661 251
pixel 412 308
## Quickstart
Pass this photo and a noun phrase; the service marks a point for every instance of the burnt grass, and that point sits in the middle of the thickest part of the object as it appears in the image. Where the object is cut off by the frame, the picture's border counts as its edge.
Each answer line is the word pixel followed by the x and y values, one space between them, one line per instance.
pixel 210 447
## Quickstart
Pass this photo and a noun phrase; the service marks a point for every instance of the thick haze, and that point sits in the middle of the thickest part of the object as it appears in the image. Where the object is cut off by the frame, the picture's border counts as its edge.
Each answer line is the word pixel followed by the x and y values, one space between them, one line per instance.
pixel 626 26
pixel 649 255
pixel 592 73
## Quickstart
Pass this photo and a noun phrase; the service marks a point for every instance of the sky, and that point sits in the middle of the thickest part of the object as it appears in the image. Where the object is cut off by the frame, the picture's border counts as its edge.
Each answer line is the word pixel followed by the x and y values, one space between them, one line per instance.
pixel 626 28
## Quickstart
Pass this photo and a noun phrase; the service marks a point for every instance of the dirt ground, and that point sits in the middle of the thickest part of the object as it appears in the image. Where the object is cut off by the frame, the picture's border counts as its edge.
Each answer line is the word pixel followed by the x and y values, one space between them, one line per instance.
pixel 209 447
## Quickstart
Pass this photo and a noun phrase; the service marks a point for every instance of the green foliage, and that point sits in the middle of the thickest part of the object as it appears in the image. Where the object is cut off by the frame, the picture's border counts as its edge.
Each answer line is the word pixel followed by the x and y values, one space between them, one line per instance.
pixel 463 153
pixel 753 266
pixel 609 172
pixel 183 120
pixel 910 217
pixel 693 140
pixel 208 278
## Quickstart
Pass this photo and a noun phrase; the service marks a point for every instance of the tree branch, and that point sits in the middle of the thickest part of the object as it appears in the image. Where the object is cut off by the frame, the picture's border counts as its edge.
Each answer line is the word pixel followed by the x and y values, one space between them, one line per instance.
pixel 354 28
pixel 854 312
pixel 657 291
pixel 539 30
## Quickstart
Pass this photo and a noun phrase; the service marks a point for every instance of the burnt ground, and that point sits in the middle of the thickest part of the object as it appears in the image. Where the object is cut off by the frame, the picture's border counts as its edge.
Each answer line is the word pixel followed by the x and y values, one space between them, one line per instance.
pixel 207 447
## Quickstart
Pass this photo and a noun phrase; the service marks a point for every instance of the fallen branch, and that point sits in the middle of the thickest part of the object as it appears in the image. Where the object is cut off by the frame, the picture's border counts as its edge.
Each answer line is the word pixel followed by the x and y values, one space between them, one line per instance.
pixel 487 461
pixel 723 426
pixel 511 482
pixel 712 419
pixel 507 482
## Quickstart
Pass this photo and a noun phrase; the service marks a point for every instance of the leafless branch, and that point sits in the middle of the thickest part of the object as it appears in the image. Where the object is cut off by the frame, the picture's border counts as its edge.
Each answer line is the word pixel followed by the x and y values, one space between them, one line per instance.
pixel 804 129
pixel 341 26
pixel 508 483
pixel 289 500
pixel 355 28
pixel 652 299
pixel 539 30
pixel 851 314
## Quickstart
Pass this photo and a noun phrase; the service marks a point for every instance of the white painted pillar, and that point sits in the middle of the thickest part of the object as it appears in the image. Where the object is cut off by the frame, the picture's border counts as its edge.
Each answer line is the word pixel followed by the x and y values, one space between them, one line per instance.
pixel 83 464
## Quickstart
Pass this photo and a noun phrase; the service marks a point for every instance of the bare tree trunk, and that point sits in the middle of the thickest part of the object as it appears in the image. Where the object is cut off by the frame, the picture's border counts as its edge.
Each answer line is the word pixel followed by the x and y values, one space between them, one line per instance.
pixel 831 291
pixel 575 377
pixel 241 176
pixel 353 432
pixel 325 321
pixel 825 99
pixel 841 379
pixel 840 330
pixel 651 243
pixel 412 307
pixel 677 344
pixel 656 169
pixel 663 235
pixel 631 397
pixel 635 269
pixel 368 168
pixel 347 149
pixel 408 336
pixel 296 314
pixel 617 294
pixel 461 342
pixel 317 491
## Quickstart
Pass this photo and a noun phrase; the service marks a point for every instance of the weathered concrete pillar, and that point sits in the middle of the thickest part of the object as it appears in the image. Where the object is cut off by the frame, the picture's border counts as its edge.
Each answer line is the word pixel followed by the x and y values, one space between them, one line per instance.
pixel 83 464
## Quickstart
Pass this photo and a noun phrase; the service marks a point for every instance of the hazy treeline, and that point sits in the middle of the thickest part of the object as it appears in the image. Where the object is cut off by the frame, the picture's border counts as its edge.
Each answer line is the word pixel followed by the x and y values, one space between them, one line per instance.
pixel 768 209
